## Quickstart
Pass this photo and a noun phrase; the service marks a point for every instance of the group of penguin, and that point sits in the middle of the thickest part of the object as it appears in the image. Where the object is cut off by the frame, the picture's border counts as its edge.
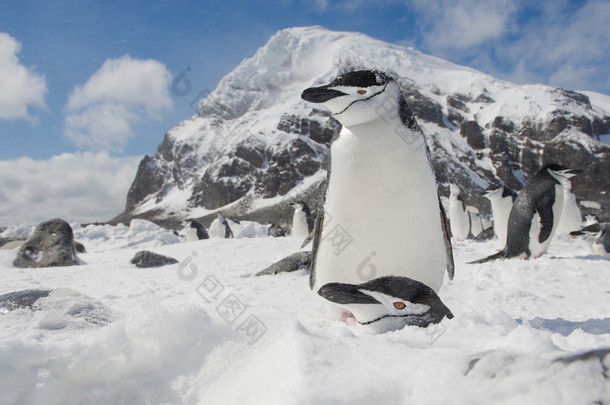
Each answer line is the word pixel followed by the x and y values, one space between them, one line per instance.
pixel 381 242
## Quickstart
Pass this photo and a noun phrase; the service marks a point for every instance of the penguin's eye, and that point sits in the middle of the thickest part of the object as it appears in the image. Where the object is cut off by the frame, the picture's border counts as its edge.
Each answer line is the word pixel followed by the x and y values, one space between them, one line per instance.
pixel 361 91
pixel 399 305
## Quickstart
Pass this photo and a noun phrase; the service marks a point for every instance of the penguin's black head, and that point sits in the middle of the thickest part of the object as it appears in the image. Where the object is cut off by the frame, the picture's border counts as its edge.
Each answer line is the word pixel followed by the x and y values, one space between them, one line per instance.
pixel 493 191
pixel 589 231
pixel 562 171
pixel 388 303
pixel 356 97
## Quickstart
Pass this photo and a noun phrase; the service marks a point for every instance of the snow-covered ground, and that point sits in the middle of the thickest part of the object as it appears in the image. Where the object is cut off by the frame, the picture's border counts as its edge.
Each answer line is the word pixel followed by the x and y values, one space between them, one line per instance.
pixel 206 331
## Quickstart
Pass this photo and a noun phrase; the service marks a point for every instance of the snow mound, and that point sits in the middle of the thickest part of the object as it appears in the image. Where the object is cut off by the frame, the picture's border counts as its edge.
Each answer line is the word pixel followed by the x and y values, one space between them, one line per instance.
pixel 18 231
pixel 139 234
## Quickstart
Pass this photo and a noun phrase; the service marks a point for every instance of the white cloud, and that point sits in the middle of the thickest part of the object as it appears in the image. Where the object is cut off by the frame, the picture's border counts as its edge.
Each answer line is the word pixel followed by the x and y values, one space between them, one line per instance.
pixel 83 187
pixel 21 86
pixel 100 114
pixel 570 47
pixel 458 24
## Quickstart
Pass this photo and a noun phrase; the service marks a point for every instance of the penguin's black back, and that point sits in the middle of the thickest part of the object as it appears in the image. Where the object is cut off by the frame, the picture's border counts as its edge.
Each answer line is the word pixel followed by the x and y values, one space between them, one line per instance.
pixel 538 196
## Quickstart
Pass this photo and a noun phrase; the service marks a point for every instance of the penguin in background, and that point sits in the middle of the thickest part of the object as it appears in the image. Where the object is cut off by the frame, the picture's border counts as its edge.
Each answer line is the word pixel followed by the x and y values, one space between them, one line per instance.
pixel 596 238
pixel 223 221
pixel 195 231
pixel 535 214
pixel 590 220
pixel 477 227
pixel 302 221
pixel 501 199
pixel 220 228
pixel 382 215
pixel 571 217
pixel 459 218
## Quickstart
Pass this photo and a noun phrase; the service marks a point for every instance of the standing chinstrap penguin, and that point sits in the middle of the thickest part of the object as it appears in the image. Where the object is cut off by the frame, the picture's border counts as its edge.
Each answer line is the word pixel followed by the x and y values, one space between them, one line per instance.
pixel 220 228
pixel 302 221
pixel 382 216
pixel 501 199
pixel 535 214
pixel 459 218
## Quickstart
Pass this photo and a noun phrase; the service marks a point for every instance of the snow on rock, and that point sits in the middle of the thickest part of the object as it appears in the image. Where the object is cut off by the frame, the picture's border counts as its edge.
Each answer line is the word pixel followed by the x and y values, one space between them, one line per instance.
pixel 206 330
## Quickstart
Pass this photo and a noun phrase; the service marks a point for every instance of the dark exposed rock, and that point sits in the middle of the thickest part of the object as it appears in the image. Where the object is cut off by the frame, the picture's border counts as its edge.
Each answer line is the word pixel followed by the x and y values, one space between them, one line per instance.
pixel 146 259
pixel 484 98
pixel 503 124
pixel 21 299
pixel 473 134
pixel 293 262
pixel 147 182
pixel 457 102
pixel 311 128
pixel 51 244
pixel 275 230
pixel 423 107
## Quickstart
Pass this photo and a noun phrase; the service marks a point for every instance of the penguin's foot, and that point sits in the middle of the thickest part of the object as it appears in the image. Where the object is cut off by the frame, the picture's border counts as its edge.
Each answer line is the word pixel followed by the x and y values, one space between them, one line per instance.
pixel 348 318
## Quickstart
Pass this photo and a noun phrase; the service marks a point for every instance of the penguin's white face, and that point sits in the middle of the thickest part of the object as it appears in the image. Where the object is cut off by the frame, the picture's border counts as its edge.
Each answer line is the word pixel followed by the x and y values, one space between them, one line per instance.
pixel 386 306
pixel 357 97
pixel 561 174
pixel 454 190
pixel 493 194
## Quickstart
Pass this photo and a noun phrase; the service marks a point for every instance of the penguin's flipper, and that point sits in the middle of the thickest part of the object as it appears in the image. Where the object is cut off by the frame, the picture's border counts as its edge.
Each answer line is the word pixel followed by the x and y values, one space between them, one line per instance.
pixel 544 208
pixel 500 255
pixel 448 249
pixel 317 233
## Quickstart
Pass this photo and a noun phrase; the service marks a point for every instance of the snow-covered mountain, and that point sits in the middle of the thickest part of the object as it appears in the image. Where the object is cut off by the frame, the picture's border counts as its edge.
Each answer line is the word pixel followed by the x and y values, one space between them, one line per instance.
pixel 255 145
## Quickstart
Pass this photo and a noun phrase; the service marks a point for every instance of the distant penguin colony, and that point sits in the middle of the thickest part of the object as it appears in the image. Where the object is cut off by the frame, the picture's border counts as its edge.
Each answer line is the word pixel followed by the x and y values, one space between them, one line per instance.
pixel 382 218
pixel 459 218
pixel 302 221
pixel 571 218
pixel 535 214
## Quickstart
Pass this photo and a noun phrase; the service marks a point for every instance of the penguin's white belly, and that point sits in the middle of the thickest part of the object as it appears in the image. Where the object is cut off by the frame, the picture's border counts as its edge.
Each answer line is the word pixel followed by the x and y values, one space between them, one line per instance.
pixel 537 248
pixel 381 214
pixel 300 228
pixel 459 220
pixel 570 215
pixel 476 226
pixel 191 234
pixel 501 211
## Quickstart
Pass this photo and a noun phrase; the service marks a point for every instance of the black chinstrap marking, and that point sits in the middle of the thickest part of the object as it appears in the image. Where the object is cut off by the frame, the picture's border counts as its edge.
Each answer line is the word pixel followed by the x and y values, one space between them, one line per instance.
pixel 364 99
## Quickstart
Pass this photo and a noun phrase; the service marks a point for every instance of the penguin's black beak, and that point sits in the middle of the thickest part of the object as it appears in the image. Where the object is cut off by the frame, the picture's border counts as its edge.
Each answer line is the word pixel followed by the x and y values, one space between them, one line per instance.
pixel 345 294
pixel 320 94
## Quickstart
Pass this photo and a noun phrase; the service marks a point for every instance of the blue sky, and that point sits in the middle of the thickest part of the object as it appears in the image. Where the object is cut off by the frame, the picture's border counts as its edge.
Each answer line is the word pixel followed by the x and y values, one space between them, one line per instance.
pixel 68 63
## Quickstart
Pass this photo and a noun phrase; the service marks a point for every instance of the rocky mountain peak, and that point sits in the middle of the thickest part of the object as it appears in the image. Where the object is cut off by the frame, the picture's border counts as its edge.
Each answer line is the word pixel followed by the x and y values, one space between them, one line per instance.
pixel 255 146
